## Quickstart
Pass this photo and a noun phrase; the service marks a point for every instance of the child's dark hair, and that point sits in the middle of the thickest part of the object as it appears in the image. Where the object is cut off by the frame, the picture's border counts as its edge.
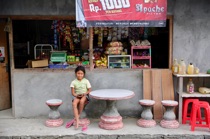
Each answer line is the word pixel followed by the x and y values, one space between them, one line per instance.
pixel 80 68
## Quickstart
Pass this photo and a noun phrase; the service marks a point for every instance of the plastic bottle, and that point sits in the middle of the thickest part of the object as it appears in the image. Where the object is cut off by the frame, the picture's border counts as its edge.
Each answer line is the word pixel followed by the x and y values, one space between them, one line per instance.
pixel 182 67
pixel 175 67
pixel 196 70
pixel 190 69
pixel 190 86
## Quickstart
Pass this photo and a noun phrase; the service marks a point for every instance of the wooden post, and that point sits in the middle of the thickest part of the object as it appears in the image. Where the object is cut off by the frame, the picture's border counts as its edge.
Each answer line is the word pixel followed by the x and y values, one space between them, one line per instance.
pixel 170 60
pixel 12 63
pixel 91 48
pixel 11 47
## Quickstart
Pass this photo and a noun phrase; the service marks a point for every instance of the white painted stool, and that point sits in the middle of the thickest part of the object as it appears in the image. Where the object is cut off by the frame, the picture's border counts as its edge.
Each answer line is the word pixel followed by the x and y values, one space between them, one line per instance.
pixel 169 117
pixel 146 115
pixel 54 115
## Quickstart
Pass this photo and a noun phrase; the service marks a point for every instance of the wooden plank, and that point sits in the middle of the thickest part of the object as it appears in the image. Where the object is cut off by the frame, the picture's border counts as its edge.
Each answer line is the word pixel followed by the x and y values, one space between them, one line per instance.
pixel 157 94
pixel 4 75
pixel 4 99
pixel 167 85
pixel 147 86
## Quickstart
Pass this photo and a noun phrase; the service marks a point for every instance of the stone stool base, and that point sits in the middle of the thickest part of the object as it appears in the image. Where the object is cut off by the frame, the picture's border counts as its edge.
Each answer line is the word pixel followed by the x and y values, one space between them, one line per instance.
pixel 83 122
pixel 169 117
pixel 110 123
pixel 54 115
pixel 54 122
pixel 146 115
pixel 169 124
pixel 146 123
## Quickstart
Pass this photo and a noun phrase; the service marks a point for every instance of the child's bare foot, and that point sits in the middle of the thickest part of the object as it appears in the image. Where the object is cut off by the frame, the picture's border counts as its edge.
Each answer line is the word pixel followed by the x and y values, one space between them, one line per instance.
pixel 76 126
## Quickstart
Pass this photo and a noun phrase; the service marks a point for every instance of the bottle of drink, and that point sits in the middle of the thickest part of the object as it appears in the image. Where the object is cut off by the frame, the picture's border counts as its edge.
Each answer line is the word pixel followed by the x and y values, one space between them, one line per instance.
pixel 190 69
pixel 196 70
pixel 175 67
pixel 190 86
pixel 182 67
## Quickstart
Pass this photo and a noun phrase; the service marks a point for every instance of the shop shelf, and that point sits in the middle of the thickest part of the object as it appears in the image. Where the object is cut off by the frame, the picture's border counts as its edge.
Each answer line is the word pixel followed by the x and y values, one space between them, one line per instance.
pixel 137 59
pixel 141 57
pixel 140 67
pixel 75 62
pixel 195 94
pixel 119 61
pixel 57 66
pixel 141 47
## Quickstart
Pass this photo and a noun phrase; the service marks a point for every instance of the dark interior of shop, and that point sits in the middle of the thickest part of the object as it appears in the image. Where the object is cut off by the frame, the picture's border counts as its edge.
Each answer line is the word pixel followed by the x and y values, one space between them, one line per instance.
pixel 28 33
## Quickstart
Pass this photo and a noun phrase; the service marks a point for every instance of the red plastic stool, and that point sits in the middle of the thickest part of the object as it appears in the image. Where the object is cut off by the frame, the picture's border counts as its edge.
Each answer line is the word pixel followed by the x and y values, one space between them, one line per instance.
pixel 185 114
pixel 195 108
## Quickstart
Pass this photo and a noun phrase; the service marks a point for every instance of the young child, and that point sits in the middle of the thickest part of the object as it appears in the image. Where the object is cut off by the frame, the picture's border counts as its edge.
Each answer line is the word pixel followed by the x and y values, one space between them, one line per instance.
pixel 80 89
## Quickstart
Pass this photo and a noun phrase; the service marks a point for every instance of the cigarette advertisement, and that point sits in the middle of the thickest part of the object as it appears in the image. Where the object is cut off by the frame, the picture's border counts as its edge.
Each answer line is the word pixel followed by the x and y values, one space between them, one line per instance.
pixel 121 13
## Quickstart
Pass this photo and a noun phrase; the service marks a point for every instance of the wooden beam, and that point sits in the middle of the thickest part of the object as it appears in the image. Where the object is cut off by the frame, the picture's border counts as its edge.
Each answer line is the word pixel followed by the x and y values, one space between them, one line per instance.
pixel 170 17
pixel 39 17
pixel 91 48
pixel 11 45
pixel 12 64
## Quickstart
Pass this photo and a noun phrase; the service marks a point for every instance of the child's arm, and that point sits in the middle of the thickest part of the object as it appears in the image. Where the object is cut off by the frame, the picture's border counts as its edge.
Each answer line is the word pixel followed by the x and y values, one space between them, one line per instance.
pixel 88 88
pixel 73 92
pixel 88 91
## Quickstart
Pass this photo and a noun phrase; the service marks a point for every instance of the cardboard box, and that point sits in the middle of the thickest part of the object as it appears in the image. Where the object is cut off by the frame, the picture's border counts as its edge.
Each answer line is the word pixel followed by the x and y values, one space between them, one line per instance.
pixel 37 63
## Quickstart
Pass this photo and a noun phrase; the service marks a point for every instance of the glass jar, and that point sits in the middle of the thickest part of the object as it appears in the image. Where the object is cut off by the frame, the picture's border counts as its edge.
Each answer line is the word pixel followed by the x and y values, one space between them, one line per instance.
pixel 190 86
pixel 175 67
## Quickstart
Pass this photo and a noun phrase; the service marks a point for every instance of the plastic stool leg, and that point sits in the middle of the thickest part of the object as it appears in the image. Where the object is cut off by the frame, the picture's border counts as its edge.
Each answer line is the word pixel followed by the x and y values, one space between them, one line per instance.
pixel 193 117
pixel 185 115
pixel 196 112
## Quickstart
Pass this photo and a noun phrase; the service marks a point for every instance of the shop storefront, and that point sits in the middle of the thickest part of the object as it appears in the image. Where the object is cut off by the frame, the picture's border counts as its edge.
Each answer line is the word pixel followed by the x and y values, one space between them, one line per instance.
pixel 113 47
pixel 31 87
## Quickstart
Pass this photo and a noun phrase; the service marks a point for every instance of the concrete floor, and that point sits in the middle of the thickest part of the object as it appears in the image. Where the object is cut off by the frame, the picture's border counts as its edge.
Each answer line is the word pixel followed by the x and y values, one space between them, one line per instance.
pixel 34 128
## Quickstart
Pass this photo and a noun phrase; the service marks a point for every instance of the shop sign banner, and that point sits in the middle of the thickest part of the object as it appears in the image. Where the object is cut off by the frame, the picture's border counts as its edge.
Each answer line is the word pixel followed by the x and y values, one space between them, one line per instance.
pixel 121 13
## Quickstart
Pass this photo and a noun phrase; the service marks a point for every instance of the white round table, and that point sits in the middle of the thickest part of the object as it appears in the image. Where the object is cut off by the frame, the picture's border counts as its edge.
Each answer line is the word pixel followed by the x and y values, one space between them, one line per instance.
pixel 111 119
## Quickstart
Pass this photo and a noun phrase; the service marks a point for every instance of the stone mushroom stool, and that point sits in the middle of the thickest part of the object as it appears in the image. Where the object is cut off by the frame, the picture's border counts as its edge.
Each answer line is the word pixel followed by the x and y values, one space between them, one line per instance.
pixel 146 115
pixel 54 115
pixel 169 117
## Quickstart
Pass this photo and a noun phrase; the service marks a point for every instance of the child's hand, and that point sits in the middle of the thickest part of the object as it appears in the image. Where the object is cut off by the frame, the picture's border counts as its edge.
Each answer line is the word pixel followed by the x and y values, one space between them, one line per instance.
pixel 80 96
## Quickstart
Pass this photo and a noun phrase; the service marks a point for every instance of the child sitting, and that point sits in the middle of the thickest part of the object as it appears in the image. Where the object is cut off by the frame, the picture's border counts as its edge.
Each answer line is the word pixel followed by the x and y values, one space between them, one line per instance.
pixel 80 89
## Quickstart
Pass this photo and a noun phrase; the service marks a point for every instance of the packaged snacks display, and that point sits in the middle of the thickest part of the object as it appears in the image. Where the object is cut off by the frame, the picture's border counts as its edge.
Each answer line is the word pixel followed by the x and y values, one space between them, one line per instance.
pixel 114 48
